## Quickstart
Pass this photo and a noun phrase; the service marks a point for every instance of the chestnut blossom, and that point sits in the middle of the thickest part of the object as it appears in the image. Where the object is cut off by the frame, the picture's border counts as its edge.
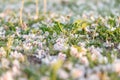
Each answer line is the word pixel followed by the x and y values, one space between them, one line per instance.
pixel 17 55
pixel 45 78
pixel 94 57
pixel 74 52
pixel 118 46
pixel 46 33
pixel 93 77
pixel 2 15
pixel 15 71
pixel 83 51
pixel 16 68
pixel 116 66
pixel 95 51
pixel 62 56
pixel 83 44
pixel 76 73
pixel 62 74
pixel 60 45
pixel 27 46
pixel 84 60
pixel 2 52
pixel 16 63
pixel 54 34
pixel 7 76
pixel 40 44
pixel 41 54
pixel 68 65
pixel 5 63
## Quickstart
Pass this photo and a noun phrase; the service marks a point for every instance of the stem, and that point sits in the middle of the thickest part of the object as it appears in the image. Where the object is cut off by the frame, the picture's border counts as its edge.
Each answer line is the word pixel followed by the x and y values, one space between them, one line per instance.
pixel 45 6
pixel 21 11
pixel 37 9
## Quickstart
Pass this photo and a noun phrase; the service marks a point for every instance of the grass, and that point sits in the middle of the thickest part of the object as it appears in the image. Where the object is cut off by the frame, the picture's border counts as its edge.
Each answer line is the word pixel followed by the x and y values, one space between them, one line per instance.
pixel 68 40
